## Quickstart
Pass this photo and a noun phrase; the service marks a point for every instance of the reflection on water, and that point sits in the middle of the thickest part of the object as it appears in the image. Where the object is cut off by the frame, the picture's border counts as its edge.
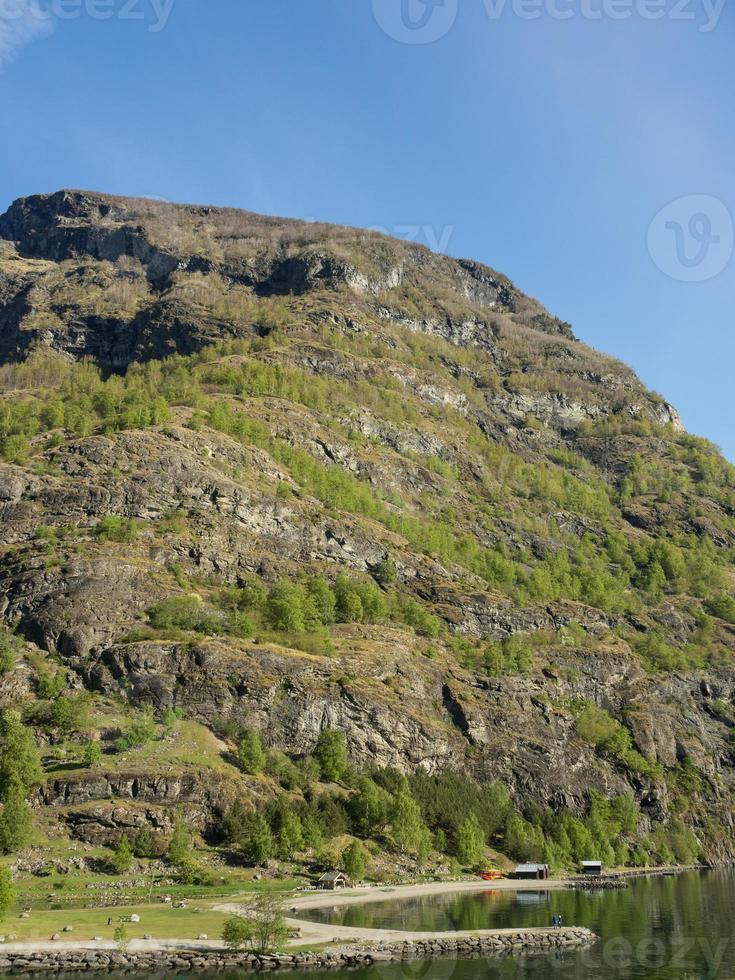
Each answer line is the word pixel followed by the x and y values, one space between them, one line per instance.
pixel 678 928
pixel 660 928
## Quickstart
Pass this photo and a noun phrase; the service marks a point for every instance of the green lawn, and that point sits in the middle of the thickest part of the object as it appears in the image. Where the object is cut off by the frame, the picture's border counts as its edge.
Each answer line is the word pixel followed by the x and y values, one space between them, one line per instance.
pixel 160 921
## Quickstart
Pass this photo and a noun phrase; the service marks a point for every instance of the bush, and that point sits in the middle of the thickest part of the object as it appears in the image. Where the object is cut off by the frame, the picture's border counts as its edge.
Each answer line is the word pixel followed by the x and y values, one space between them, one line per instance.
pixel 7 652
pixel 416 615
pixel 118 529
pixel 598 728
pixel 50 685
pixel 722 606
pixel 140 733
pixel 186 613
pixel 68 714
pixel 91 754
pixel 268 926
pixel 237 932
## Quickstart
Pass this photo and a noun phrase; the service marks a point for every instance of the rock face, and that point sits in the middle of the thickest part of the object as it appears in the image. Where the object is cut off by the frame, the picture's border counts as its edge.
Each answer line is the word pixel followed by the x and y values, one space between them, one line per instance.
pixel 400 405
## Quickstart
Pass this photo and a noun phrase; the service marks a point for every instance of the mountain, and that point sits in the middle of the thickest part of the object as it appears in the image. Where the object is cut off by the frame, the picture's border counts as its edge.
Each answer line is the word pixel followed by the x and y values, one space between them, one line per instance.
pixel 286 477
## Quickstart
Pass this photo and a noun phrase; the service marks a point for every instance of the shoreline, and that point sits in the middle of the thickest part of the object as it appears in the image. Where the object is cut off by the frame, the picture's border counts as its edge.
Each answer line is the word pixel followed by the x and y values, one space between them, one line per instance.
pixel 341 946
pixel 149 958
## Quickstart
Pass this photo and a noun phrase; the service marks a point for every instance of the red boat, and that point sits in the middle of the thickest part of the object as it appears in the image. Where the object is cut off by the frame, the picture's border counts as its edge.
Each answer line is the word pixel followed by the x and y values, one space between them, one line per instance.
pixel 491 875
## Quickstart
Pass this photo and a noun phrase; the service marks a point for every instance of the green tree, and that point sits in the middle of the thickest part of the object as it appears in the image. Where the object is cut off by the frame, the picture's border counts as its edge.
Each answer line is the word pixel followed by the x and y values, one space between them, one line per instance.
pixel 331 754
pixel 407 824
pixel 284 608
pixel 7 891
pixel 16 822
pixel 523 841
pixel 250 753
pixel 144 845
pixel 68 714
pixel 355 861
pixel 122 859
pixel 19 758
pixel 368 807
pixel 179 847
pixel 470 842
pixel 325 601
pixel 256 840
pixel 290 837
pixel 349 608
pixel 269 929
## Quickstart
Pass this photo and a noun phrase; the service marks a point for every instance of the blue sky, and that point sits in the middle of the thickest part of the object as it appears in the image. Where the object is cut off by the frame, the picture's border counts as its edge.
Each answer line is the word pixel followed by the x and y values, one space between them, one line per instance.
pixel 541 136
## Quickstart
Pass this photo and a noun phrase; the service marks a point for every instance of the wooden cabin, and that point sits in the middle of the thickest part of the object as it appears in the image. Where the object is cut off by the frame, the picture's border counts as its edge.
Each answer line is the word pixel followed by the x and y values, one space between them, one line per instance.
pixel 591 868
pixel 535 872
pixel 332 880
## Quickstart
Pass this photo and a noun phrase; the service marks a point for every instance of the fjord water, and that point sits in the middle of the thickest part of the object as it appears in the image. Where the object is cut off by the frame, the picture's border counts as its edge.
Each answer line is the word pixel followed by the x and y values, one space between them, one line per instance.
pixel 667 928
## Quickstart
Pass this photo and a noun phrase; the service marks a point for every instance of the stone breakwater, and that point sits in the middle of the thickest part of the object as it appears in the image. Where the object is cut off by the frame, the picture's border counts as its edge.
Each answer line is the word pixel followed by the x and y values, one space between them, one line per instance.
pixel 147 962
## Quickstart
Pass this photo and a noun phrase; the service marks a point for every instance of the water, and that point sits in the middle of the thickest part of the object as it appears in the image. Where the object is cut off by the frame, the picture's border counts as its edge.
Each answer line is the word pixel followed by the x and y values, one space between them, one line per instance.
pixel 680 928
pixel 660 928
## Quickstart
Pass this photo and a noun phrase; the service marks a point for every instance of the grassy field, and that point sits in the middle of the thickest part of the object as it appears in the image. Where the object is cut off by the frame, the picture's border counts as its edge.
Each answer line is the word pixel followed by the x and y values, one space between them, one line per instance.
pixel 159 921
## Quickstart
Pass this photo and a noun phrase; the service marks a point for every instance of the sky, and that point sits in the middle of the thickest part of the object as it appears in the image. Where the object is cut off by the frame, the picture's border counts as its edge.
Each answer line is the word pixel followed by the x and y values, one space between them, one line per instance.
pixel 585 148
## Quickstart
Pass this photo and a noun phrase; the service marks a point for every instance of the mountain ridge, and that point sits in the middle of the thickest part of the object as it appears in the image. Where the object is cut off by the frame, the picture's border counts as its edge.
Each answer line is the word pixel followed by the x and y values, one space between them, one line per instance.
pixel 210 421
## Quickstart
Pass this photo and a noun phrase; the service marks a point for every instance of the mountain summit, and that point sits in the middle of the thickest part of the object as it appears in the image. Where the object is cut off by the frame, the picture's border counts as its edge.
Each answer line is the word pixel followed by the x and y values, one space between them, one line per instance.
pixel 286 478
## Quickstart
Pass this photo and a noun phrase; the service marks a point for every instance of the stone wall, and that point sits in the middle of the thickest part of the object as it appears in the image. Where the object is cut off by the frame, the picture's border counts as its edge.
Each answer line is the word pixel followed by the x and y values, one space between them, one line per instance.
pixel 147 962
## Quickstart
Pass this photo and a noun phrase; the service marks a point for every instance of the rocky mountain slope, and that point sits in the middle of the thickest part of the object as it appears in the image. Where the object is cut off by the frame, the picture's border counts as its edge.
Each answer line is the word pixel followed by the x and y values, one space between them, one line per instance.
pixel 199 405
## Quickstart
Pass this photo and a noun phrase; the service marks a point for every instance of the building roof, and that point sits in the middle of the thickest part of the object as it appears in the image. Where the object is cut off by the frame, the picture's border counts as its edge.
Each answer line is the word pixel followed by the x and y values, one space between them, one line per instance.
pixel 531 867
pixel 591 864
pixel 332 876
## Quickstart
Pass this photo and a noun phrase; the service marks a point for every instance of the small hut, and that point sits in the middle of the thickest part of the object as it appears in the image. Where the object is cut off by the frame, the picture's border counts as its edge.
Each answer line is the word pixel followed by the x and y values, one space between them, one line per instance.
pixel 332 880
pixel 591 868
pixel 534 872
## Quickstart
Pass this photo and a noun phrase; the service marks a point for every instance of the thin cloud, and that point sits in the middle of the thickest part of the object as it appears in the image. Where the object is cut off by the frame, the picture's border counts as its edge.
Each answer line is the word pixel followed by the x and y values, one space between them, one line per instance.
pixel 21 22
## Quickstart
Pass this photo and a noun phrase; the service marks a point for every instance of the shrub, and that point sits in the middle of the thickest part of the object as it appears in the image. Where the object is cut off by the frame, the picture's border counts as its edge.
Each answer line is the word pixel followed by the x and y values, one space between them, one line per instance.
pixel 91 754
pixel 237 932
pixel 121 530
pixel 185 613
pixel 722 606
pixel 140 733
